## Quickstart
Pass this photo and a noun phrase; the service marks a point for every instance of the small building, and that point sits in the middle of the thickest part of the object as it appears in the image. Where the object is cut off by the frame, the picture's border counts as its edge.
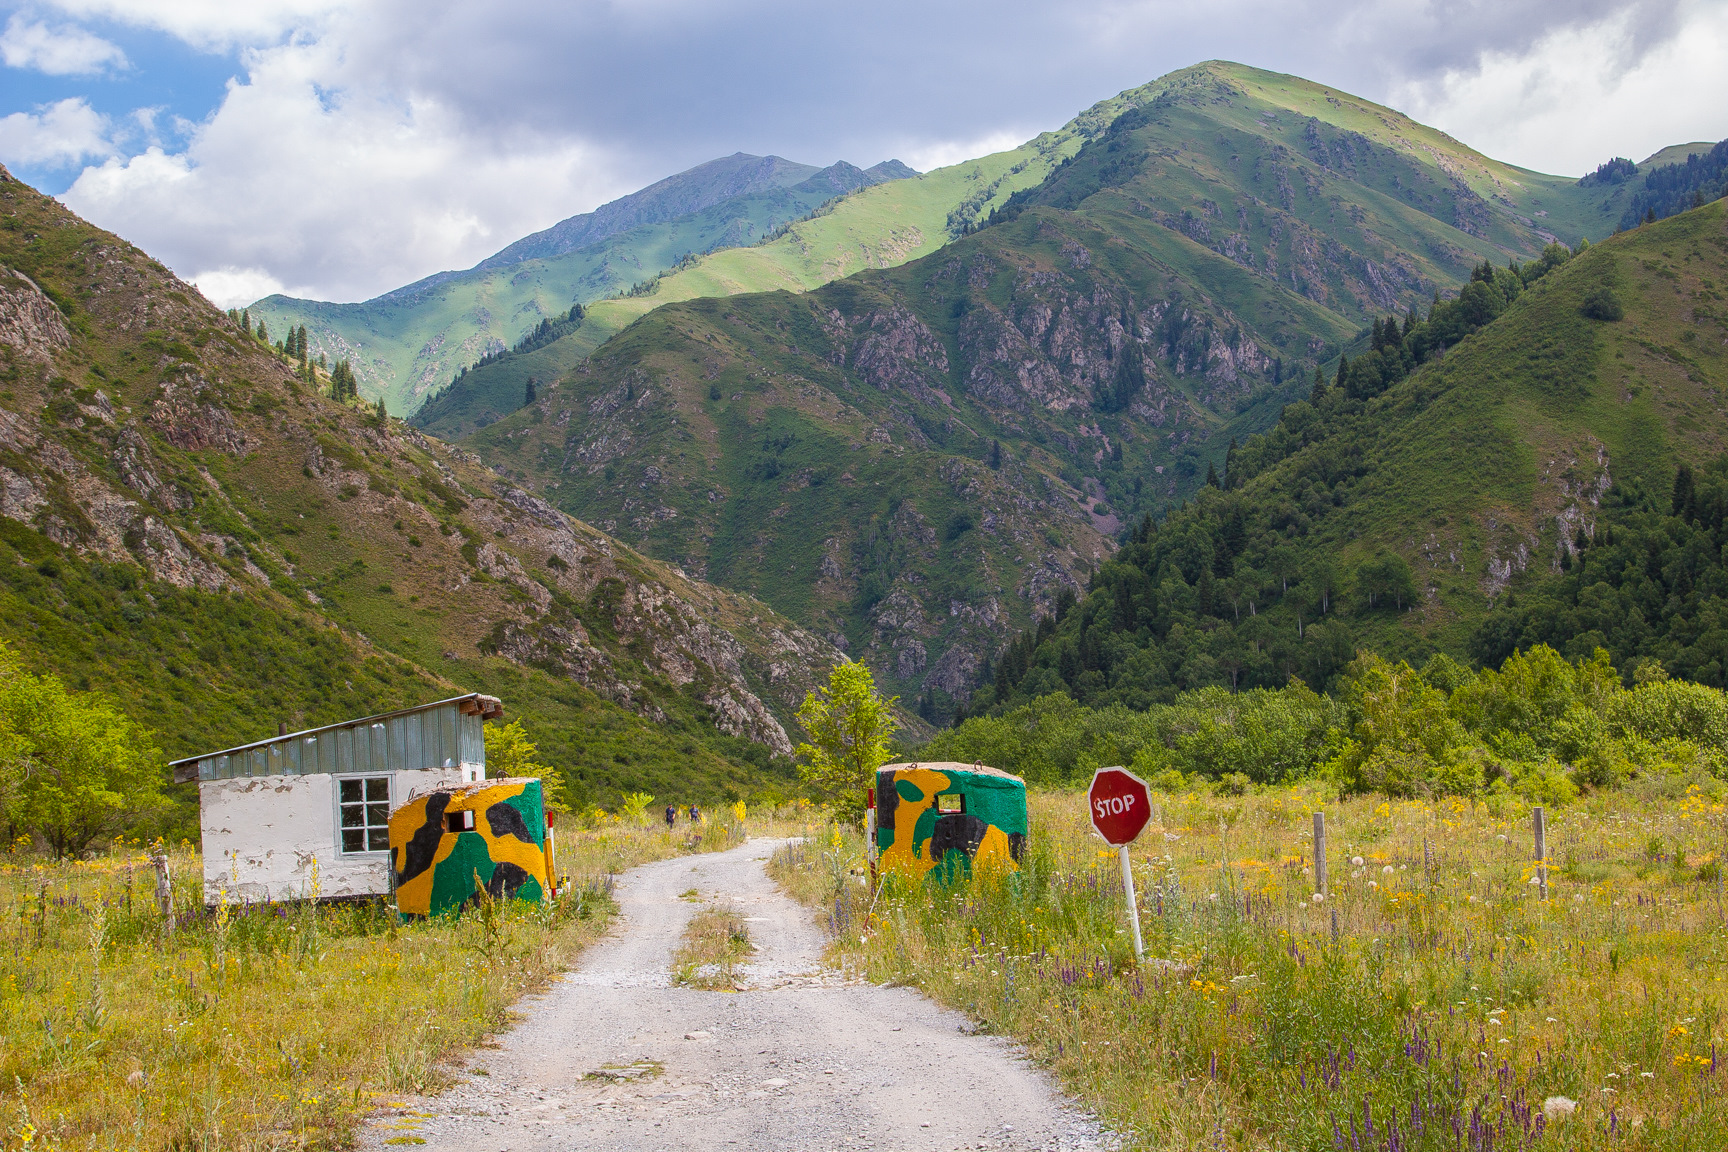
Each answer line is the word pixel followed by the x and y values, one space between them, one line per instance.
pixel 458 838
pixel 946 818
pixel 306 815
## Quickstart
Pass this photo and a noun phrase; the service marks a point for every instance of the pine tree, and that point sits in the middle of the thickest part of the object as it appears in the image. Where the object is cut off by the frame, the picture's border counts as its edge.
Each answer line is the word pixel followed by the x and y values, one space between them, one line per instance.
pixel 1343 371
pixel 1211 476
pixel 246 321
pixel 528 393
pixel 996 455
pixel 1319 389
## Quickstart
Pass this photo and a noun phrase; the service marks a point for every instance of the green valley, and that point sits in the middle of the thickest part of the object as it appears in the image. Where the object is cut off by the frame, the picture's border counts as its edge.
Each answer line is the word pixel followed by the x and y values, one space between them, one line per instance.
pixel 917 460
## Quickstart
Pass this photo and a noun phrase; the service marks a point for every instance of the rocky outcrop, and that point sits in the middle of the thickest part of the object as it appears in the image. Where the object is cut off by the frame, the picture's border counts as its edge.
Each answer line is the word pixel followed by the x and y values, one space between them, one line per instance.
pixel 188 419
pixel 30 323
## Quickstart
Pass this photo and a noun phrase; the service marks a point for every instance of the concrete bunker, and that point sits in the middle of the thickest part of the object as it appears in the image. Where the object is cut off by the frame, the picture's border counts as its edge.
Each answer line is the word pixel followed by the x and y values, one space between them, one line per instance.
pixel 458 838
pixel 946 818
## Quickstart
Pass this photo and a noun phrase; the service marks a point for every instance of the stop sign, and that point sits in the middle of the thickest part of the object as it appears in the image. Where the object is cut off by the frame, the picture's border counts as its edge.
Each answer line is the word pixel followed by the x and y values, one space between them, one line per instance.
pixel 1121 805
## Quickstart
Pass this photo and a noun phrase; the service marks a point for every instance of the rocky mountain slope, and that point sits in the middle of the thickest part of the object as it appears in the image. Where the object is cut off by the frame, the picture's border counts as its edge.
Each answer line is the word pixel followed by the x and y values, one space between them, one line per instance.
pixel 221 547
pixel 1541 447
pixel 917 460
pixel 407 344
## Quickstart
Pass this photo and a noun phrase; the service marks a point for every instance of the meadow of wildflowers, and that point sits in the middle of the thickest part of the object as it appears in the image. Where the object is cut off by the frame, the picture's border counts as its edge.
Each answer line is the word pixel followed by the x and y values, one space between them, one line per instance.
pixel 1431 999
pixel 266 1026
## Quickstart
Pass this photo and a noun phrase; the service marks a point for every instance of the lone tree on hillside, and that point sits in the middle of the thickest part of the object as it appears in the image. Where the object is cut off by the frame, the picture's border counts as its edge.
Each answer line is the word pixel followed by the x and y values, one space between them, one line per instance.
pixel 849 724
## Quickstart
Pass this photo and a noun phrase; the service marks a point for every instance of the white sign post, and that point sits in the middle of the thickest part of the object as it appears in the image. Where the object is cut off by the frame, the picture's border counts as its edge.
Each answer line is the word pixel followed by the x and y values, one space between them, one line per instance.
pixel 1121 806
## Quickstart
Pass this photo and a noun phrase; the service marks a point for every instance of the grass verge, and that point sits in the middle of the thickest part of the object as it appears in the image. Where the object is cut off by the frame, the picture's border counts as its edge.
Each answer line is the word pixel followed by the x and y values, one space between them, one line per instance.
pixel 1431 1000
pixel 266 1026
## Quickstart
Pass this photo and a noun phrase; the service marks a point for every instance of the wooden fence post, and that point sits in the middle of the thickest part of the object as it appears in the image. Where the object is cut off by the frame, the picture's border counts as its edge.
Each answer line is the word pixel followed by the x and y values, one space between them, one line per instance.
pixel 164 890
pixel 1539 820
pixel 1320 853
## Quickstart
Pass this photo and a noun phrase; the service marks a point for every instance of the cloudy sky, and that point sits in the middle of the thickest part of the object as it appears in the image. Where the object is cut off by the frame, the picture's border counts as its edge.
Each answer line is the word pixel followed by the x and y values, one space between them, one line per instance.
pixel 337 150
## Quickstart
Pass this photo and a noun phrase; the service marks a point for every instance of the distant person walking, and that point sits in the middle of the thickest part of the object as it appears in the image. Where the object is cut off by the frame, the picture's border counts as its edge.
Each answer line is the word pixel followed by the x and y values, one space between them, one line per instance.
pixel 695 814
pixel 671 815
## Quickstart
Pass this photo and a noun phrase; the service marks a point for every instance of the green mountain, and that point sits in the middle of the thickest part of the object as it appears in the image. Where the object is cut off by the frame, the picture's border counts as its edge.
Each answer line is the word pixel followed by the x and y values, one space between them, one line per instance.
pixel 408 343
pixel 877 227
pixel 917 460
pixel 1529 479
pixel 186 526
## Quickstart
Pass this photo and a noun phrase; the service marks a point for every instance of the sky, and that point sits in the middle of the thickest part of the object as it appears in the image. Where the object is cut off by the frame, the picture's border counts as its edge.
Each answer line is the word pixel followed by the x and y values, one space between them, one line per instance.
pixel 338 150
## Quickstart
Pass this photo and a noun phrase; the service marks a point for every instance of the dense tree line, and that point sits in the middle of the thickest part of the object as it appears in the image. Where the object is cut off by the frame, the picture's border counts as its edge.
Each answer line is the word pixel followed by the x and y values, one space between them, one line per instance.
pixel 1651 583
pixel 1538 724
pixel 1673 188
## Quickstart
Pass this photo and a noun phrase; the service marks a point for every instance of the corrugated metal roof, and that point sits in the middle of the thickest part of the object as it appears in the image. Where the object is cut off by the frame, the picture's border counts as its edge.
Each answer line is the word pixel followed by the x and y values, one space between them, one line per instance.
pixel 443 734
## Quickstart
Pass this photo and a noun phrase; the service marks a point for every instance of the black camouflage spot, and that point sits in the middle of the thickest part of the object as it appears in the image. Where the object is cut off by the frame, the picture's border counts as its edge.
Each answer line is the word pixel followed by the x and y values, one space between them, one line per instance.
pixel 887 799
pixel 507 821
pixel 417 854
pixel 506 879
pixel 957 832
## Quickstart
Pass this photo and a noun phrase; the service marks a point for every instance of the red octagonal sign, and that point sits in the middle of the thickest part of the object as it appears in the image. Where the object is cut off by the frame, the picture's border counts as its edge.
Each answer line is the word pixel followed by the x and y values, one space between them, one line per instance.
pixel 1121 805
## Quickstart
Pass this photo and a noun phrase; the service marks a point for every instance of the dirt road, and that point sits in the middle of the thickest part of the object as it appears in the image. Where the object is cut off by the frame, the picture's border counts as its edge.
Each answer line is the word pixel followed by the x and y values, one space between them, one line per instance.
pixel 615 1057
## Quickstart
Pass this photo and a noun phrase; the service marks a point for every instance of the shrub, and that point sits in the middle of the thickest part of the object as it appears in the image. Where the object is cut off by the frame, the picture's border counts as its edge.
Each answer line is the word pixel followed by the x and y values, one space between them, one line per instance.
pixel 1671 710
pixel 1602 304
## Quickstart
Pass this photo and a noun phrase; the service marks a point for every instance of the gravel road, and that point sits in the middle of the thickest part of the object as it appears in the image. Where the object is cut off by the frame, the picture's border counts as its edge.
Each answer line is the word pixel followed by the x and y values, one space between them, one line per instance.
pixel 614 1057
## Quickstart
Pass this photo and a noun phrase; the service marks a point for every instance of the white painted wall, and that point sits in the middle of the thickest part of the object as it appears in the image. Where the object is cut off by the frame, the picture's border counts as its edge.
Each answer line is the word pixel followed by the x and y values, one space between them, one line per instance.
pixel 261 835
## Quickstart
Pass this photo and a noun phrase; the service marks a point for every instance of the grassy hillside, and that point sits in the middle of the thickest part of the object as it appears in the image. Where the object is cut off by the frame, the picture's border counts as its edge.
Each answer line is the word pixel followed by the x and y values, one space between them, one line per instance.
pixel 407 344
pixel 1395 519
pixel 188 528
pixel 998 410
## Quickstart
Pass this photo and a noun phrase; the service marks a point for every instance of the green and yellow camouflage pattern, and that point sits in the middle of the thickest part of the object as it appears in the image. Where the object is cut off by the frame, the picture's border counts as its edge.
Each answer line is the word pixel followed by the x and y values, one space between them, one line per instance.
pixel 947 819
pixel 494 830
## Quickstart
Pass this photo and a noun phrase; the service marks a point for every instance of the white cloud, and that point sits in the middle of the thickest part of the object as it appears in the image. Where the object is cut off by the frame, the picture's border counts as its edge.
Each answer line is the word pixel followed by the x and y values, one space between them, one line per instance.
pixel 1582 95
pixel 212 24
pixel 64 51
pixel 309 177
pixel 928 155
pixel 232 287
pixel 57 134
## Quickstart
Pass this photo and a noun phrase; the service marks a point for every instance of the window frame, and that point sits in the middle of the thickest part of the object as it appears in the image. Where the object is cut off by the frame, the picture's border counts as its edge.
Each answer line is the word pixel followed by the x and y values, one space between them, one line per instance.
pixel 366 801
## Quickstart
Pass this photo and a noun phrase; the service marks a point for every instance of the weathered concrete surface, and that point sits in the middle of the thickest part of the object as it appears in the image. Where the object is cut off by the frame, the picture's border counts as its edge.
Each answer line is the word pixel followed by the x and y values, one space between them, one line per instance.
pixel 801 1060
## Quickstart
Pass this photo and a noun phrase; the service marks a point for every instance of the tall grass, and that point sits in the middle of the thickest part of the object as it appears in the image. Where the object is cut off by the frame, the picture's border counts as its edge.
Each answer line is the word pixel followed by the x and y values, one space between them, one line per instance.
pixel 265 1026
pixel 1431 1001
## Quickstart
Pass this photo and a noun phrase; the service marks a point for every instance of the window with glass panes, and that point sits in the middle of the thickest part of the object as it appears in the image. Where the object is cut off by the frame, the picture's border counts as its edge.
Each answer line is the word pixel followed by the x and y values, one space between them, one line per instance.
pixel 365 819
